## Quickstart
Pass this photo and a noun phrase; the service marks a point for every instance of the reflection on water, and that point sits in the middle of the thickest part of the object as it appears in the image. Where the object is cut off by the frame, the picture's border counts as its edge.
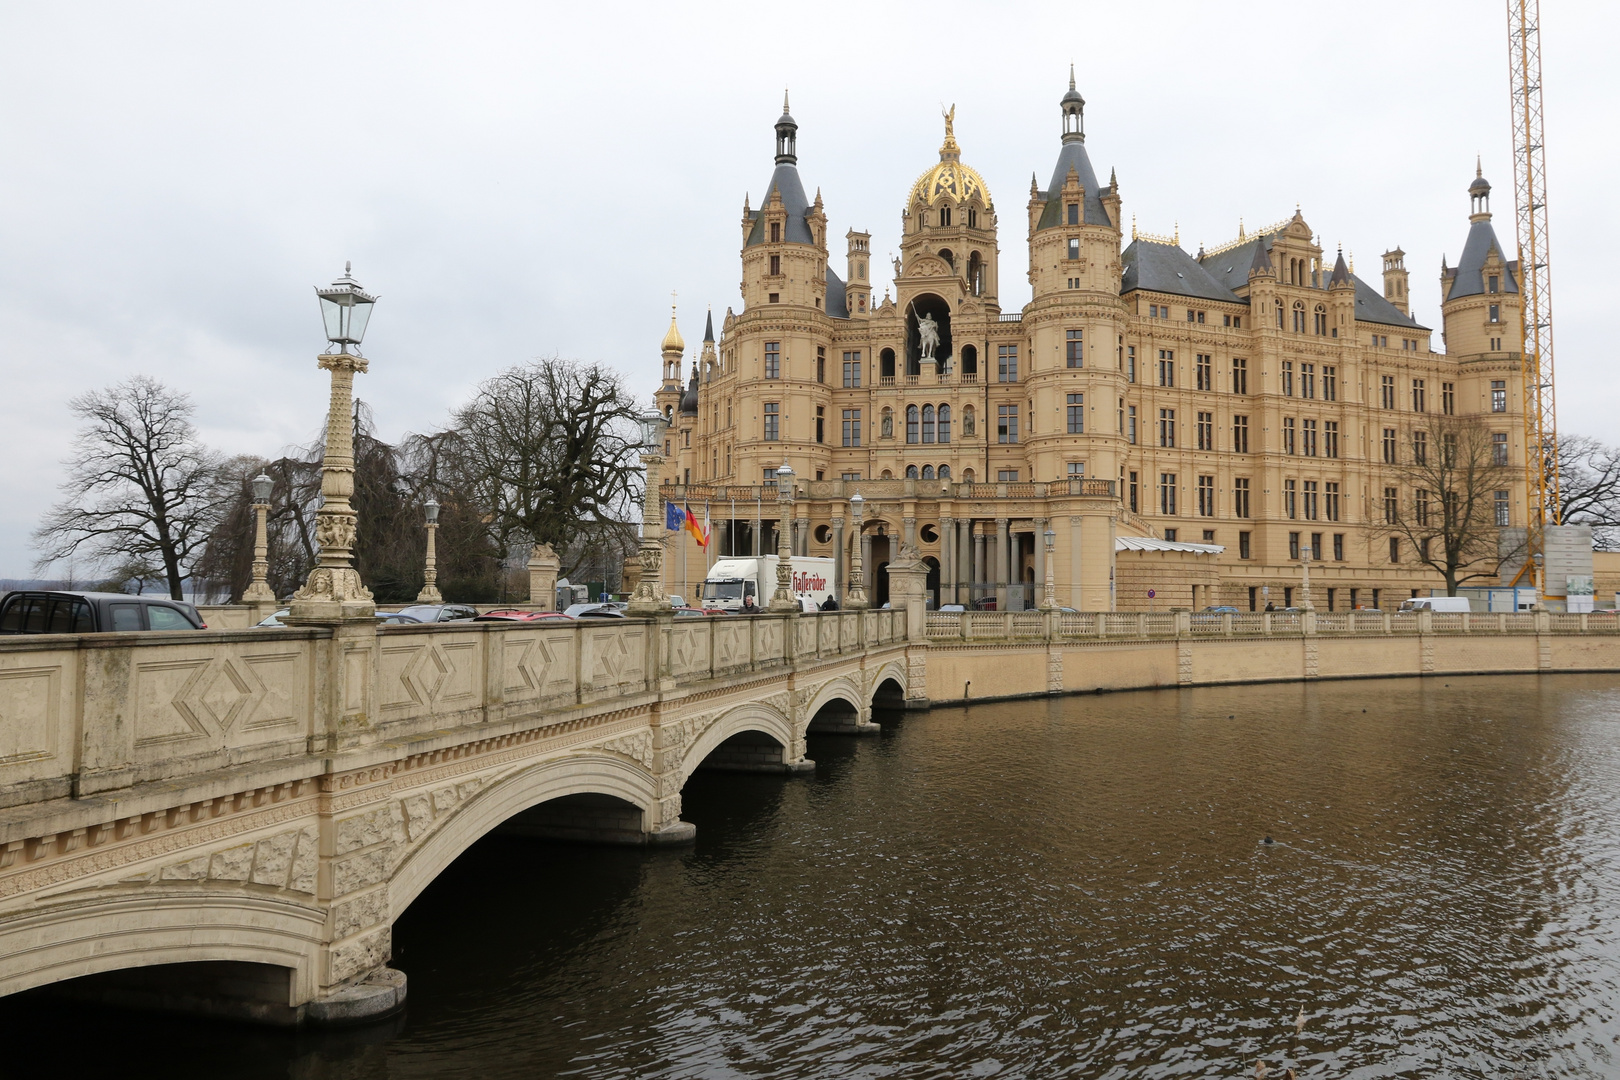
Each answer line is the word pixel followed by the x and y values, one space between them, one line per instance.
pixel 1075 887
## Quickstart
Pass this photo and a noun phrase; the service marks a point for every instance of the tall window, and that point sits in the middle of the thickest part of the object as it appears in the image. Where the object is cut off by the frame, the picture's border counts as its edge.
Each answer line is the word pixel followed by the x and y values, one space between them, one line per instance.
pixel 1338 546
pixel 1130 424
pixel 1288 378
pixel 821 363
pixel 1291 498
pixel 1308 430
pixel 1167 367
pixel 1289 446
pixel 1330 503
pixel 1240 434
pixel 1419 397
pixel 1167 494
pixel 1006 423
pixel 1130 363
pixel 821 423
pixel 1389 446
pixel 1498 395
pixel 852 427
pixel 1386 387
pixel 776 235
pixel 944 424
pixel 1299 317
pixel 1131 488
pixel 1167 427
pixel 1420 447
pixel 1074 247
pixel 1074 350
pixel 1307 380
pixel 1448 398
pixel 912 424
pixel 1206 431
pixel 1321 321
pixel 1240 375
pixel 773 359
pixel 1392 506
pixel 1206 496
pixel 1280 325
pixel 928 423
pixel 1330 438
pixel 852 370
pixel 1394 549
pixel 776 262
pixel 1243 553
pixel 1310 500
pixel 772 419
pixel 1074 213
pixel 1499 448
pixel 1503 514
pixel 1330 383
pixel 1420 507
pixel 1240 497
pixel 1006 363
pixel 1205 372
pixel 1077 414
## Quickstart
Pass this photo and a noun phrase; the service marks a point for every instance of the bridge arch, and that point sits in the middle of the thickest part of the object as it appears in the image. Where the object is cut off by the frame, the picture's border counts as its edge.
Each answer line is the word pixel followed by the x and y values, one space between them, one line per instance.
pixel 837 708
pixel 889 685
pixel 757 717
pixel 163 924
pixel 578 774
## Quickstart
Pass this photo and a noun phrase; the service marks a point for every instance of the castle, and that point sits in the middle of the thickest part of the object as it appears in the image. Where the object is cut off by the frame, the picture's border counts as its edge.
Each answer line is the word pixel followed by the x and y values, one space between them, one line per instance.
pixel 1193 426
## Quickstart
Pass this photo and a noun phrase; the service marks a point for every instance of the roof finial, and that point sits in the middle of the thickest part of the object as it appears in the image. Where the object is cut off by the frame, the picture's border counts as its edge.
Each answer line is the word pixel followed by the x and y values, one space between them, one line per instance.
pixel 1071 74
pixel 1241 233
pixel 1133 226
pixel 1479 169
pixel 1178 234
pixel 785 109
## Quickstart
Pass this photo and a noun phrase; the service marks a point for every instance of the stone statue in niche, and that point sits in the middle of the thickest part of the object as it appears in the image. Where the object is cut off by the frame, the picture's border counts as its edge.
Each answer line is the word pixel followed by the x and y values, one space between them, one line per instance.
pixel 928 336
pixel 967 423
pixel 888 424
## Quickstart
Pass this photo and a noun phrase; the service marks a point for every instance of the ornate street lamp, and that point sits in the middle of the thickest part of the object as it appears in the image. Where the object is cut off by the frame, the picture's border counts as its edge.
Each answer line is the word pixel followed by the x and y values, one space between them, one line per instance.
pixel 258 590
pixel 649 597
pixel 783 599
pixel 1305 580
pixel 855 596
pixel 430 570
pixel 1049 600
pixel 334 592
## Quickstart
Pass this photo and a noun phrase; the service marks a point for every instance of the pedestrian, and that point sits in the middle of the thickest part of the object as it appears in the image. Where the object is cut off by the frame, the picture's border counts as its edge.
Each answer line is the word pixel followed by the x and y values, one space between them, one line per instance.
pixel 1270 606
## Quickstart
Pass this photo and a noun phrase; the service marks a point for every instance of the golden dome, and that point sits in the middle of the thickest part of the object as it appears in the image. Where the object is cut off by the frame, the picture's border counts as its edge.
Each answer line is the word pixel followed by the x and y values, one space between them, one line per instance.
pixel 673 342
pixel 950 178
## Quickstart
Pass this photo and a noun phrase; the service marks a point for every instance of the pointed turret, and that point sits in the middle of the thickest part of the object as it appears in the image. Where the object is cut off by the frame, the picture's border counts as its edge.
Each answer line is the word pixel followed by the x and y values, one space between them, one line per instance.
pixel 1341 274
pixel 708 328
pixel 1260 265
pixel 1073 158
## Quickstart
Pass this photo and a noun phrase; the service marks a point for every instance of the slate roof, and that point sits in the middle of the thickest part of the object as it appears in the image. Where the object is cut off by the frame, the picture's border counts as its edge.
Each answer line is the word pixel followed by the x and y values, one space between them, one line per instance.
pixel 837 301
pixel 689 400
pixel 1469 277
pixel 1372 307
pixel 1231 267
pixel 1168 269
pixel 786 180
pixel 708 327
pixel 1074 153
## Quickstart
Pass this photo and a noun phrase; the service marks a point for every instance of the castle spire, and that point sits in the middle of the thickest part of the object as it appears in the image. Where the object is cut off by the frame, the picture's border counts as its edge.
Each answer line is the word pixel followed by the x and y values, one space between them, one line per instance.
pixel 787 135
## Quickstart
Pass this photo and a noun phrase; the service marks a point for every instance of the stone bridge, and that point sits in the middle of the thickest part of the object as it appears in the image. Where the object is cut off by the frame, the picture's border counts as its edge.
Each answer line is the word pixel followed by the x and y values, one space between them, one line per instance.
pixel 230 821
pixel 262 804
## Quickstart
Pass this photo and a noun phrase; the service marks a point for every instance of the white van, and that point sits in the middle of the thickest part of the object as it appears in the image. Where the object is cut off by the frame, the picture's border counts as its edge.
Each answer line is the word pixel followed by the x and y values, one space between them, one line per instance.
pixel 738 584
pixel 1436 603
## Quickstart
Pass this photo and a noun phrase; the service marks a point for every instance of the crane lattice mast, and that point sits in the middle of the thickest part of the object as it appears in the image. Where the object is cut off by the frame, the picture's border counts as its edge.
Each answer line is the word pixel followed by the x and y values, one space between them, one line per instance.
pixel 1535 281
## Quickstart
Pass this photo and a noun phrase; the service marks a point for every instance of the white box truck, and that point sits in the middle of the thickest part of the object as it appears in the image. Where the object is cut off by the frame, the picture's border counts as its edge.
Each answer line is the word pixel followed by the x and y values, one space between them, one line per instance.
pixel 739 584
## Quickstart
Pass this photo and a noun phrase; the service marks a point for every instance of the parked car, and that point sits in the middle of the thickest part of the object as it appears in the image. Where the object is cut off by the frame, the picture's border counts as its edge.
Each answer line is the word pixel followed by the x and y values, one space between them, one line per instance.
pixel 440 612
pixel 690 612
pixel 952 607
pixel 601 611
pixel 93 612
pixel 1221 609
pixel 1435 603
pixel 519 615
pixel 384 618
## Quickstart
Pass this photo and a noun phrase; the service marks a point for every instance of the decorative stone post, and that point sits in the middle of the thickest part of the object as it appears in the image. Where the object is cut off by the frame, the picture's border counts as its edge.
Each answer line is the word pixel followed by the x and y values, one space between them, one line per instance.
pixel 649 597
pixel 543 568
pixel 430 568
pixel 258 592
pixel 1049 598
pixel 908 587
pixel 1305 581
pixel 334 592
pixel 783 599
pixel 855 599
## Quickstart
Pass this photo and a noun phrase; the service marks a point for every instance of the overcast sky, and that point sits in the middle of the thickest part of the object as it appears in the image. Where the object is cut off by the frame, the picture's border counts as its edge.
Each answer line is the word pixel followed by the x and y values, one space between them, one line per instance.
pixel 518 180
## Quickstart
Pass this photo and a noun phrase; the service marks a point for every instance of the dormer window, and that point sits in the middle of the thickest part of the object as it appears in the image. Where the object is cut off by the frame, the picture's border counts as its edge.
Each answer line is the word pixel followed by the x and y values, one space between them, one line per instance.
pixel 1493 284
pixel 1074 213
pixel 776 233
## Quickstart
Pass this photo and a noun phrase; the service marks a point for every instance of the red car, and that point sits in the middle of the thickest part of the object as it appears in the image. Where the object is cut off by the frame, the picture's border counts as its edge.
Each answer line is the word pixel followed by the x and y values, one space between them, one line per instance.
pixel 517 615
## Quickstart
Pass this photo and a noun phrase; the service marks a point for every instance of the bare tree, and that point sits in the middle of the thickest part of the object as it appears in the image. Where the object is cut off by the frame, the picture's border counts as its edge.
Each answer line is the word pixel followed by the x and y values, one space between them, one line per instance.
pixel 550 451
pixel 1450 471
pixel 140 484
pixel 1589 487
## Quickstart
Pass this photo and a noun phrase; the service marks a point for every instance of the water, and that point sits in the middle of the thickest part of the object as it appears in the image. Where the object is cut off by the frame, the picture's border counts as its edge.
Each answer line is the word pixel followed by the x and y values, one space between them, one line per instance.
pixel 1077 887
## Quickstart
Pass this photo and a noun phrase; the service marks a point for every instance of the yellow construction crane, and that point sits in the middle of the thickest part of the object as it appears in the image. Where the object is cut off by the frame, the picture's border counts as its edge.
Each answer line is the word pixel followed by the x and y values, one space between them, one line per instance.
pixel 1535 282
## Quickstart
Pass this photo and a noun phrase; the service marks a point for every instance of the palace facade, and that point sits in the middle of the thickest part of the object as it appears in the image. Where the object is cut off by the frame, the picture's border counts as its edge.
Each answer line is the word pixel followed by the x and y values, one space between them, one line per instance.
pixel 1193 425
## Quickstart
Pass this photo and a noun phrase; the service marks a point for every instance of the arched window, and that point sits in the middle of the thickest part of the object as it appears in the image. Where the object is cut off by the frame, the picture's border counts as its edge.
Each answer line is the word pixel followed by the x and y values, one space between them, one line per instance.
pixel 928 472
pixel 970 360
pixel 928 423
pixel 911 423
pixel 945 253
pixel 944 472
pixel 1299 316
pixel 1321 320
pixel 944 215
pixel 1280 325
pixel 975 274
pixel 886 362
pixel 911 472
pixel 944 423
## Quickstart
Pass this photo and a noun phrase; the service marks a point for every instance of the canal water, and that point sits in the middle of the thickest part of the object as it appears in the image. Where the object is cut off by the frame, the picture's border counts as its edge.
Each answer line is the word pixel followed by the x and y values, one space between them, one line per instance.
pixel 1068 887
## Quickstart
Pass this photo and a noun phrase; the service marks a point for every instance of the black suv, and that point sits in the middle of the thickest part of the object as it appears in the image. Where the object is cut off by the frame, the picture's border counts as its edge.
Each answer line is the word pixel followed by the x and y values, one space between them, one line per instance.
pixel 93 612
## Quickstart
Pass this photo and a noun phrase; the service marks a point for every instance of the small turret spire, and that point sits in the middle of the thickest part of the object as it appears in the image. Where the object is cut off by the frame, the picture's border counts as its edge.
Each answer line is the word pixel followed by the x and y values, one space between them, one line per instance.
pixel 787 135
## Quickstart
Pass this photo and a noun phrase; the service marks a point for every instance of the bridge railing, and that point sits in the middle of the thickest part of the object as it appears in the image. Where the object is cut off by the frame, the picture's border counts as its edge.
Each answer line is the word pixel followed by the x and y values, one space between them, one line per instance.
pixel 82 714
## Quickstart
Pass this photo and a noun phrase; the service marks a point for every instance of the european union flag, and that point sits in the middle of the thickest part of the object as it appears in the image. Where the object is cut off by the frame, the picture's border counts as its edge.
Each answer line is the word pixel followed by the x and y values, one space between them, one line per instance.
pixel 674 517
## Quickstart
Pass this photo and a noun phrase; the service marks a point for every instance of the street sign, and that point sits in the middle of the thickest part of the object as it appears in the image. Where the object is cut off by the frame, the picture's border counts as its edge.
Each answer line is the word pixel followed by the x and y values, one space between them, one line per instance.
pixel 1151 594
